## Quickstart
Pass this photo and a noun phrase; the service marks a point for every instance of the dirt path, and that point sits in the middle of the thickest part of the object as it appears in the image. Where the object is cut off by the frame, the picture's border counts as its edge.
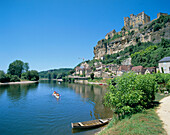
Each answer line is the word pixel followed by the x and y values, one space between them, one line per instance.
pixel 164 113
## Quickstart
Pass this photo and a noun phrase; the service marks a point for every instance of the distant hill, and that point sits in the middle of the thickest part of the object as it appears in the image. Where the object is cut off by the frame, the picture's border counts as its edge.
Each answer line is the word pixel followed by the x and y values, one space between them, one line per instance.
pixel 55 73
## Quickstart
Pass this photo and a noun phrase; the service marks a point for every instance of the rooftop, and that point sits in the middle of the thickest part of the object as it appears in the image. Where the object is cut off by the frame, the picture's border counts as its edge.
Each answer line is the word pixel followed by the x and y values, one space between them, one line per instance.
pixel 165 59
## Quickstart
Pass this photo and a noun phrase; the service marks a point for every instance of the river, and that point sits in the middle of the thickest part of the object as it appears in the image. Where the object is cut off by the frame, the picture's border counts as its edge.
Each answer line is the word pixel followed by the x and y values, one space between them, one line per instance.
pixel 30 109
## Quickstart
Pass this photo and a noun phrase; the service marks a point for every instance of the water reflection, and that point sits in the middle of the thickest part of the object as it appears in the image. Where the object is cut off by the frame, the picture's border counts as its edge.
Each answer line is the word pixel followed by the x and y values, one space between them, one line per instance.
pixel 95 95
pixel 15 92
pixel 92 93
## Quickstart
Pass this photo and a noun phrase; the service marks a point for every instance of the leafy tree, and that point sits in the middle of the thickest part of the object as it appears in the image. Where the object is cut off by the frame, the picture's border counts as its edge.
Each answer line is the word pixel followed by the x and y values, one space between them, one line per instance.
pixel 106 70
pixel 92 76
pixel 30 75
pixel 53 75
pixel 14 78
pixel 16 68
pixel 26 67
pixel 131 94
pixel 2 76
pixel 49 75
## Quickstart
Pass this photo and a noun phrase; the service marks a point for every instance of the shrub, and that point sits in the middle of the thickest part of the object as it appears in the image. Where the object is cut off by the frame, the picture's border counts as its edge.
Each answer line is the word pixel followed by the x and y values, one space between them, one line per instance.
pixel 14 78
pixel 30 75
pixel 131 94
pixel 157 27
pixel 92 76
pixel 168 86
pixel 2 76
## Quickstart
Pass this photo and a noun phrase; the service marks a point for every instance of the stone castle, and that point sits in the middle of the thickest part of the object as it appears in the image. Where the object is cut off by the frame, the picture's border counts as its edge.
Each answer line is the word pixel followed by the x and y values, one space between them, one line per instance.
pixel 136 20
pixel 135 28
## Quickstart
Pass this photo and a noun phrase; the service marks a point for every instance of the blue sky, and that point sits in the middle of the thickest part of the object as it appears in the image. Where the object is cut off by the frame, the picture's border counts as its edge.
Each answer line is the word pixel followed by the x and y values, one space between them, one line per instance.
pixel 50 34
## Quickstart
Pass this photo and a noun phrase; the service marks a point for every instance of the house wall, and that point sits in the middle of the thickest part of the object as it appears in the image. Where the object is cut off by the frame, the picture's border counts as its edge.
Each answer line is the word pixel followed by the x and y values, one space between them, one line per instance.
pixel 166 67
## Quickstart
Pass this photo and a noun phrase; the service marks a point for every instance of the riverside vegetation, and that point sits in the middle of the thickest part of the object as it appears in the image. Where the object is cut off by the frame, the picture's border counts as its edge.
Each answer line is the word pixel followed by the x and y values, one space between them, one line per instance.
pixel 17 71
pixel 132 97
pixel 55 73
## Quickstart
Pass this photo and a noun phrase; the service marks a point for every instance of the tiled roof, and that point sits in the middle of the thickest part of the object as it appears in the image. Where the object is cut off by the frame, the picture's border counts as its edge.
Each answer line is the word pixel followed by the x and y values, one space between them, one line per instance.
pixel 123 67
pixel 165 59
pixel 137 68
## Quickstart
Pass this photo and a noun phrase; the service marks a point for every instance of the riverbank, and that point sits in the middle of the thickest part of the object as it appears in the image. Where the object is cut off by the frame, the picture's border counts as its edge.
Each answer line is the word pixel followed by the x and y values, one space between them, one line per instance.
pixel 151 121
pixel 143 123
pixel 22 82
pixel 87 82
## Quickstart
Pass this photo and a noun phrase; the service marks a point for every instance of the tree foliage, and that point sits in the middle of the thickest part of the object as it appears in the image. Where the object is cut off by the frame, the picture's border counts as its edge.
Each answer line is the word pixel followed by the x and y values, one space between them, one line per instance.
pixel 92 76
pixel 56 73
pixel 17 68
pixel 131 94
pixel 30 75
pixel 2 76
pixel 150 56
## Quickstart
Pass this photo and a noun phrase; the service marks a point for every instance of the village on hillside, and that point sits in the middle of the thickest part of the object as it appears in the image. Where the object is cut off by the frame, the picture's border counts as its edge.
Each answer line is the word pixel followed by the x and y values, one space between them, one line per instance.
pixel 113 70
pixel 135 27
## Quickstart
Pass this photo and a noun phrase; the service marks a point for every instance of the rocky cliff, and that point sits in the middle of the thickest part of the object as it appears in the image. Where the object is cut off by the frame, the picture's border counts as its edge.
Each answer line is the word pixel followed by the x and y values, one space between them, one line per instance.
pixel 153 31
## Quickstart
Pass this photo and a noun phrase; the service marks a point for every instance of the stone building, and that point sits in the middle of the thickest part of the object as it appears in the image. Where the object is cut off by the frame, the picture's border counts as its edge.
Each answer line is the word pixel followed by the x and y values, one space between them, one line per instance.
pixel 164 65
pixel 136 20
pixel 110 34
pixel 150 70
pixel 138 69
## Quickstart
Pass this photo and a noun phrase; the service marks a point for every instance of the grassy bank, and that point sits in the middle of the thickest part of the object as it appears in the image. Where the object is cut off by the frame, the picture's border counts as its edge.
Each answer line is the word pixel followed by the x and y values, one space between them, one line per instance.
pixel 143 123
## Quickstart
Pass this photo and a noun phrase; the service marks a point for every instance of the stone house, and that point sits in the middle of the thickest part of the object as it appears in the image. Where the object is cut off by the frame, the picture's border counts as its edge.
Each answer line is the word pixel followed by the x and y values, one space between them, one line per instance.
pixel 164 65
pixel 138 69
pixel 113 68
pixel 123 69
pixel 79 70
pixel 83 69
pixel 97 74
pixel 150 70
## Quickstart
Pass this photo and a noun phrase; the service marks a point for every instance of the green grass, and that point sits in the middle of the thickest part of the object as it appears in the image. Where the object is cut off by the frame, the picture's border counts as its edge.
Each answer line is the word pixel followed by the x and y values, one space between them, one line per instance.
pixel 145 123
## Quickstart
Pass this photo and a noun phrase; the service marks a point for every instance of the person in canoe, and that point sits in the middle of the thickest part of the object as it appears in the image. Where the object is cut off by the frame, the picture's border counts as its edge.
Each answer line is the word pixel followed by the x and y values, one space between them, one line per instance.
pixel 57 95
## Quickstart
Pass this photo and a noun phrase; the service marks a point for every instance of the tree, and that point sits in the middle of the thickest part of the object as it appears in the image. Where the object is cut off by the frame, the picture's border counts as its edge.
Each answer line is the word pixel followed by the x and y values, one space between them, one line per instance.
pixel 16 68
pixel 26 67
pixel 2 76
pixel 131 94
pixel 92 76
pixel 30 75
pixel 14 78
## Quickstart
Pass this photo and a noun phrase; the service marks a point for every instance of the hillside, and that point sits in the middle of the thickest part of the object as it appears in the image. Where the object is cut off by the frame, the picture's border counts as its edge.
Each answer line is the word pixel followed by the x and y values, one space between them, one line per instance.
pixel 55 73
pixel 149 34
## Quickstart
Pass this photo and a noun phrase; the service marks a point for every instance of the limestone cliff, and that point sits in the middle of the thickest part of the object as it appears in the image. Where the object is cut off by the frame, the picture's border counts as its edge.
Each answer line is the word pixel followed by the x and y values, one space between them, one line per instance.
pixel 150 32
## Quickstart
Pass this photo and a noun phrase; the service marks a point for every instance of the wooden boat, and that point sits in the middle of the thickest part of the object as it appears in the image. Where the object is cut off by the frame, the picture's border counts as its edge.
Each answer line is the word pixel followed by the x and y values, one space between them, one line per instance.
pixel 90 124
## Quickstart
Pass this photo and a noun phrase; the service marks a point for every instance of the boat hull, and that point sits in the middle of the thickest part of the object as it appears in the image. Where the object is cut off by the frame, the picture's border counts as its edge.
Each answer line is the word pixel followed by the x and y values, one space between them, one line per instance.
pixel 56 96
pixel 90 124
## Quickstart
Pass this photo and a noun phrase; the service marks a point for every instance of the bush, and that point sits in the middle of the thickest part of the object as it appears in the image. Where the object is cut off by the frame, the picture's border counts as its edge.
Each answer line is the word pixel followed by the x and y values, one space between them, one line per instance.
pixel 131 94
pixel 14 78
pixel 168 86
pixel 2 76
pixel 162 78
pixel 92 76
pixel 30 75
pixel 157 27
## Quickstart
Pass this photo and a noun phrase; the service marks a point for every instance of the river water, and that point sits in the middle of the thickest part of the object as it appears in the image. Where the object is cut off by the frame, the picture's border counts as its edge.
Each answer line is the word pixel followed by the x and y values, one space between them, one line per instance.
pixel 30 109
